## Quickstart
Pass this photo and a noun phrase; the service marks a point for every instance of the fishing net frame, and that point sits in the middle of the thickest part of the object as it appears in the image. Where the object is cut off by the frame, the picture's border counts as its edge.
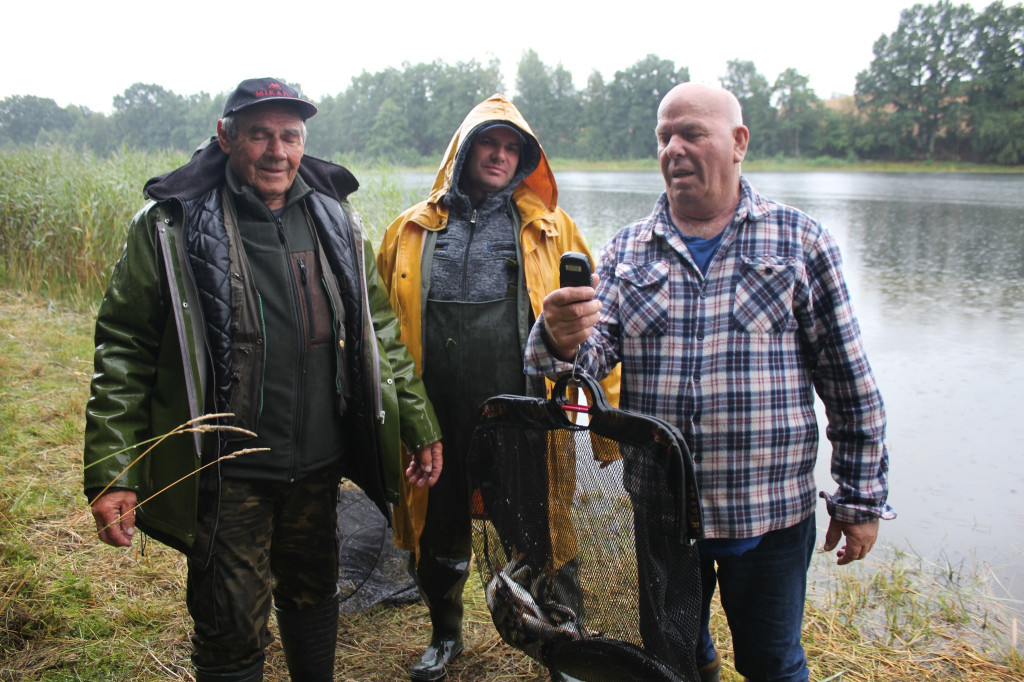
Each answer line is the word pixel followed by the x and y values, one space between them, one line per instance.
pixel 584 531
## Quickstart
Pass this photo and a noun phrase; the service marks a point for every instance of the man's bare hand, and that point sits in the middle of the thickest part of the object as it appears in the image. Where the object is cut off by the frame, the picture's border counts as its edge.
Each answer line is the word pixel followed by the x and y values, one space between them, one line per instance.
pixel 860 538
pixel 569 318
pixel 115 517
pixel 425 466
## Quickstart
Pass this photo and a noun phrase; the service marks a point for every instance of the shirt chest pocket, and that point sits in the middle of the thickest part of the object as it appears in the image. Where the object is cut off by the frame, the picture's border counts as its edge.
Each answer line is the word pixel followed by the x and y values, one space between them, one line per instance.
pixel 764 294
pixel 644 298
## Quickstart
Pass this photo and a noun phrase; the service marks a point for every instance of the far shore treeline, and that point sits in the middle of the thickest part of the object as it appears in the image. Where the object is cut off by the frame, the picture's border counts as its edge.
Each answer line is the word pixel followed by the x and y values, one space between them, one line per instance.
pixel 946 88
pixel 946 85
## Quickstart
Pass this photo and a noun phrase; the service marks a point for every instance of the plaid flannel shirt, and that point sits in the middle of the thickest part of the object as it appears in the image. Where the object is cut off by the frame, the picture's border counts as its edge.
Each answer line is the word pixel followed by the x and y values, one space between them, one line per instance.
pixel 734 360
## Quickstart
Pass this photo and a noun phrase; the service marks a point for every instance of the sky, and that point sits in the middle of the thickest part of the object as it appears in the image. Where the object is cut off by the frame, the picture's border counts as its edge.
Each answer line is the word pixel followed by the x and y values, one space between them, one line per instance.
pixel 86 53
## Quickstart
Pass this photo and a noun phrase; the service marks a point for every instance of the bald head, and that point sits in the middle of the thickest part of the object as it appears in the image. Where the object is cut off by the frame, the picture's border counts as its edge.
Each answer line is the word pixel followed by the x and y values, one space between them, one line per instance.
pixel 701 142
pixel 713 101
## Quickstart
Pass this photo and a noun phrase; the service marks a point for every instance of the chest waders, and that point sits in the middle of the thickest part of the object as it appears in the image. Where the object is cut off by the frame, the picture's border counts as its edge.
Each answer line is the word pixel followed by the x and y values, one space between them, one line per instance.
pixel 472 352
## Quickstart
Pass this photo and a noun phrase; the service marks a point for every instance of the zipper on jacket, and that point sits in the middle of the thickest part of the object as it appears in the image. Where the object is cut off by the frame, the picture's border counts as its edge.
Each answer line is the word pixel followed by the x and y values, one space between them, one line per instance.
pixel 302 361
pixel 465 256
pixel 304 276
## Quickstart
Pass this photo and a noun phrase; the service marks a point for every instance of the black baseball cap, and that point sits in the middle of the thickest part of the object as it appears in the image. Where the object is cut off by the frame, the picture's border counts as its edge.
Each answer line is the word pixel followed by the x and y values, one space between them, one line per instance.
pixel 491 125
pixel 258 90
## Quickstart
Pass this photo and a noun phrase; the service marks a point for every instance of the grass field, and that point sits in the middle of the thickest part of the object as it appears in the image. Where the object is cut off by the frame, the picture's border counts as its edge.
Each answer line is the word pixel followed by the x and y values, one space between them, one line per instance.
pixel 74 609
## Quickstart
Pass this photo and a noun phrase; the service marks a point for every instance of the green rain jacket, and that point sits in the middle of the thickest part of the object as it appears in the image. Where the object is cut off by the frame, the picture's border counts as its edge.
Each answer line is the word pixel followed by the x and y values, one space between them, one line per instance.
pixel 160 363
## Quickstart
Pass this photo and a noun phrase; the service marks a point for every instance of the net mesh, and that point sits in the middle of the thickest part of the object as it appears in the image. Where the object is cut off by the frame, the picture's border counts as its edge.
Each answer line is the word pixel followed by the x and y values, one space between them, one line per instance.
pixel 583 534
pixel 371 569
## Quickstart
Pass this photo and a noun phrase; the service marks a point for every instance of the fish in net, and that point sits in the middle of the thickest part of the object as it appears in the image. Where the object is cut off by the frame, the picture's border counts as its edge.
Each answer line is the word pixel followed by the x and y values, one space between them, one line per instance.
pixel 584 530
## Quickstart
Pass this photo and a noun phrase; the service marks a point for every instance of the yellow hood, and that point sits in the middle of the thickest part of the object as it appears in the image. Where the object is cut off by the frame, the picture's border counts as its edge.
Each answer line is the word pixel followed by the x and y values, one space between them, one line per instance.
pixel 495 108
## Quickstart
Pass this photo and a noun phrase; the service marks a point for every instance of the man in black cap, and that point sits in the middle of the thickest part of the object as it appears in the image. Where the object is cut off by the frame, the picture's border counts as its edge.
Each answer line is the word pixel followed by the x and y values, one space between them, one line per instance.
pixel 248 291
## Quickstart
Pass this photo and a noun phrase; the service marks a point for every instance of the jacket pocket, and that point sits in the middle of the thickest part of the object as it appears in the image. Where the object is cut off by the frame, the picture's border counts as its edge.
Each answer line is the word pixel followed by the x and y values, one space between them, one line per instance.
pixel 764 294
pixel 317 317
pixel 644 298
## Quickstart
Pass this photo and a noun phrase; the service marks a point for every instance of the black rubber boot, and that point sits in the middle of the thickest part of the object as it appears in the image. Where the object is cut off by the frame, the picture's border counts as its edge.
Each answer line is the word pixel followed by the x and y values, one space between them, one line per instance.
pixel 254 673
pixel 440 582
pixel 433 664
pixel 310 638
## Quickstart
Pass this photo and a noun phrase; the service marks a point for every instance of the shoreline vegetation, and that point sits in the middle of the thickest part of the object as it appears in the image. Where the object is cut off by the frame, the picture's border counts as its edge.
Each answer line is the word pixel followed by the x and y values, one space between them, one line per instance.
pixel 63 213
pixel 74 609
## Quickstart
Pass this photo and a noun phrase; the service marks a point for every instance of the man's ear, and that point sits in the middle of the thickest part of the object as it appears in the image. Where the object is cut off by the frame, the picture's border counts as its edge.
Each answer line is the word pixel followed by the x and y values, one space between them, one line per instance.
pixel 741 137
pixel 222 138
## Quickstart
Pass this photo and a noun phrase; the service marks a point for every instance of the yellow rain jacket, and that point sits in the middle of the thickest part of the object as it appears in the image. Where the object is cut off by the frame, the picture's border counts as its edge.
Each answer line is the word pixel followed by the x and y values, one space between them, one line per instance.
pixel 546 232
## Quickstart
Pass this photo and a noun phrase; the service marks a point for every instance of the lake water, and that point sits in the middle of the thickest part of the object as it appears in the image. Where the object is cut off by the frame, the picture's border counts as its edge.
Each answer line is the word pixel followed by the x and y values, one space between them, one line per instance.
pixel 935 265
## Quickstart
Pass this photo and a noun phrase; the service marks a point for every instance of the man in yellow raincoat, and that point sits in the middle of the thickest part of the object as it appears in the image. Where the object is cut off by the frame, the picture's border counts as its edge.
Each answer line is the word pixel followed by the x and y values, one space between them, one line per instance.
pixel 467 271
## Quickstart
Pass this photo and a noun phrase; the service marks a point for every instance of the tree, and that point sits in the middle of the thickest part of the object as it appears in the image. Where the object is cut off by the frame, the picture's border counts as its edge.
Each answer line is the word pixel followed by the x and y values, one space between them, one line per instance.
pixel 550 103
pixel 918 75
pixel 995 105
pixel 797 107
pixel 23 117
pixel 633 98
pixel 457 89
pixel 147 115
pixel 391 139
pixel 592 142
pixel 751 88
pixel 432 99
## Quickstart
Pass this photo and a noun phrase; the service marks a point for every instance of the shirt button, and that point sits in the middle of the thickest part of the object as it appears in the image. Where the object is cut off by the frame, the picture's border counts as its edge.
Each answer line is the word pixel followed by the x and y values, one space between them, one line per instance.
pixel 700 336
pixel 703 294
pixel 696 376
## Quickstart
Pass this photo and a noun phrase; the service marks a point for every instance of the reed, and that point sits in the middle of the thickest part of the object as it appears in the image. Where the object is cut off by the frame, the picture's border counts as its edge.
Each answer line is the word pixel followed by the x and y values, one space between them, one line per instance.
pixel 64 215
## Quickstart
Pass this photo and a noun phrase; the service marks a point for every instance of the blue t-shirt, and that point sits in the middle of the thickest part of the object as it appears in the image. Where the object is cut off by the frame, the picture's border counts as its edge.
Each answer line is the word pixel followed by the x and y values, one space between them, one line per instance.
pixel 701 249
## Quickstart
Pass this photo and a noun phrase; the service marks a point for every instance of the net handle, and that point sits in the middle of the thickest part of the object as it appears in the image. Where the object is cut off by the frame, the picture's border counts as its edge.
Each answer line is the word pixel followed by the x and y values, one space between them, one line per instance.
pixel 597 401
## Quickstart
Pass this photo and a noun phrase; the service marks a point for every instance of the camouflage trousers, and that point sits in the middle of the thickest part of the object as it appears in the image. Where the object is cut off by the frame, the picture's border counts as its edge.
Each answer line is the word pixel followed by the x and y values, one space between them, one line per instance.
pixel 272 540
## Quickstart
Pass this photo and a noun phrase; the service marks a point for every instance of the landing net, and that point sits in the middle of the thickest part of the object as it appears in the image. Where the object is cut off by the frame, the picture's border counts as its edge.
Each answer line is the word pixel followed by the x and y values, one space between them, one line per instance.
pixel 584 536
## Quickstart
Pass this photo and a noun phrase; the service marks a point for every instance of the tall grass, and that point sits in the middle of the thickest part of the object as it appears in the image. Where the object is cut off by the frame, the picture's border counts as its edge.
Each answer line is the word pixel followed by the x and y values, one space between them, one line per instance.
pixel 64 215
pixel 381 197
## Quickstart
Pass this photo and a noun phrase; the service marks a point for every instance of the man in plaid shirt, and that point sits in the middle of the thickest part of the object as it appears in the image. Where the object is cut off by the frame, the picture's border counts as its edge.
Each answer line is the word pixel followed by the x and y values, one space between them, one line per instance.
pixel 729 312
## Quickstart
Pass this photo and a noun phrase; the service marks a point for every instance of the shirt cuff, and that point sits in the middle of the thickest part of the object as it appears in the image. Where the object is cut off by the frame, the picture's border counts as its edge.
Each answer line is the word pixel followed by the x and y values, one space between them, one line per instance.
pixel 856 513
pixel 539 360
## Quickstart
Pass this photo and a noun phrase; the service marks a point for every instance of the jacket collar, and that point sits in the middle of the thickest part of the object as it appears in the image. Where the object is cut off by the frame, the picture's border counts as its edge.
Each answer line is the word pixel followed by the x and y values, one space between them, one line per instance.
pixel 205 171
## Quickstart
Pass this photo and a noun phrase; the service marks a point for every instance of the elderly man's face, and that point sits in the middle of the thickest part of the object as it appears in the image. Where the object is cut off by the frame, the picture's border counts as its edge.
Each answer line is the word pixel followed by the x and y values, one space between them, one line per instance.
pixel 267 152
pixel 700 146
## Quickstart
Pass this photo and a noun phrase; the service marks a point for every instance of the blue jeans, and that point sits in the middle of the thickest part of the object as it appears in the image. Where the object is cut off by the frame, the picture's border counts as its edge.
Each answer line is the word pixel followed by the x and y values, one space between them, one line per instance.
pixel 763 593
